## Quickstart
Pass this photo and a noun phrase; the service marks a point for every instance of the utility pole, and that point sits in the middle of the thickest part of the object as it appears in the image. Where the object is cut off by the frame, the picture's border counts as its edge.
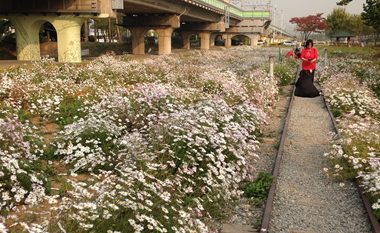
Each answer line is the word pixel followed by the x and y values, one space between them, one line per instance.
pixel 282 22
pixel 274 23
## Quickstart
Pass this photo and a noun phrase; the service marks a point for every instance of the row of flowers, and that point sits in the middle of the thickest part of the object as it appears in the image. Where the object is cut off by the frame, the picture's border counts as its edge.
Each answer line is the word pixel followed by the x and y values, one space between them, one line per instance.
pixel 163 142
pixel 351 86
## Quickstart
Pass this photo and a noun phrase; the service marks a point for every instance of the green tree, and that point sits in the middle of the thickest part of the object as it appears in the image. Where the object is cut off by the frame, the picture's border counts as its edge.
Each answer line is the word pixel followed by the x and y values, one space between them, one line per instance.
pixel 5 24
pixel 357 26
pixel 337 20
pixel 371 16
pixel 343 2
pixel 108 27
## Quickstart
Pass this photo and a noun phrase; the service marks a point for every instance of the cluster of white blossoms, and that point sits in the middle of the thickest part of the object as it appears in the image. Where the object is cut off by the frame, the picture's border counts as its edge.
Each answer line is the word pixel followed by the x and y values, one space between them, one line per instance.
pixel 351 89
pixel 162 141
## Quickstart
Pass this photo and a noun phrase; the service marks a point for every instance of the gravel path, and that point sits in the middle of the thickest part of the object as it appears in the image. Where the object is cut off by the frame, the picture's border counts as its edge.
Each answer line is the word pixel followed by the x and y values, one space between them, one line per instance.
pixel 305 200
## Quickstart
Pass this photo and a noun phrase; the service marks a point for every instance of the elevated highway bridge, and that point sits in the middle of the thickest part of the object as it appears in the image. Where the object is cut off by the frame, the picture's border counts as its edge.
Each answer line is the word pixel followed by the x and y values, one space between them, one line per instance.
pixel 207 18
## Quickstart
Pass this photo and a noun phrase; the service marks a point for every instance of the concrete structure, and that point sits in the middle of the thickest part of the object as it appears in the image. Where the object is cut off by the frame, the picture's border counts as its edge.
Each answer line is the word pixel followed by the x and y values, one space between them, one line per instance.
pixel 67 16
pixel 206 18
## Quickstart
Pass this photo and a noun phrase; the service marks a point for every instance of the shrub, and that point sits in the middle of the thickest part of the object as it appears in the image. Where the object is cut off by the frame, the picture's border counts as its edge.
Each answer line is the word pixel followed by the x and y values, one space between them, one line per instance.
pixel 259 188
pixel 336 113
pixel 9 39
pixel 283 71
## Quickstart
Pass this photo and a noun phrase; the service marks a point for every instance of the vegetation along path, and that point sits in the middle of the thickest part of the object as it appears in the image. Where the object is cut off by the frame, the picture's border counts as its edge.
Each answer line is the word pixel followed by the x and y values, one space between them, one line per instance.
pixel 305 201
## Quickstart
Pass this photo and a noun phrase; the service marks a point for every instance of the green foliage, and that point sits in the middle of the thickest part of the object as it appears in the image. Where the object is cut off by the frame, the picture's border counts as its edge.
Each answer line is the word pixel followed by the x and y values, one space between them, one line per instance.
pixel 68 111
pixel 258 222
pixel 23 115
pixel 212 87
pixel 336 113
pixel 337 21
pixel 259 188
pixel 5 24
pixel 343 2
pixel 280 91
pixel 9 39
pixel 255 202
pixel 98 48
pixel 371 14
pixel 284 73
pixel 376 212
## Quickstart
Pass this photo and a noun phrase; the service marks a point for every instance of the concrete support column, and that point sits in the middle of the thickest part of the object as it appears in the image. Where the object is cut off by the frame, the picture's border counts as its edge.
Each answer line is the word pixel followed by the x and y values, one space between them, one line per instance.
pixel 27 37
pixel 254 38
pixel 205 40
pixel 212 39
pixel 138 45
pixel 68 35
pixel 186 39
pixel 68 38
pixel 227 38
pixel 164 40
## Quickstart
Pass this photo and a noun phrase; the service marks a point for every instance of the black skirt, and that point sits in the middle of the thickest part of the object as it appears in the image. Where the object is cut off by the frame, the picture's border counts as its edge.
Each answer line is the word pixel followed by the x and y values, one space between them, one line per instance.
pixel 305 86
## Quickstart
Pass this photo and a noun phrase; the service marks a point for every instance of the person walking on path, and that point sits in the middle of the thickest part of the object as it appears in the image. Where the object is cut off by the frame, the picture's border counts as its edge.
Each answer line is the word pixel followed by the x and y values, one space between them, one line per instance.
pixel 309 57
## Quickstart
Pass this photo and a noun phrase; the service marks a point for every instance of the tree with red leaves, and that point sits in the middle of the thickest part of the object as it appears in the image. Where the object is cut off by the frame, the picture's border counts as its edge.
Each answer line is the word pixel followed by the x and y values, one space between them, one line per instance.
pixel 307 25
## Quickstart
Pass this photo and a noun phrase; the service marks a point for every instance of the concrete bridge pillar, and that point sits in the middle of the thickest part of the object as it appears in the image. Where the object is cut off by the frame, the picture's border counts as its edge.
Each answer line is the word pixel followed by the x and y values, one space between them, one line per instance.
pixel 68 38
pixel 138 44
pixel 27 37
pixel 205 40
pixel 186 39
pixel 227 39
pixel 164 40
pixel 212 39
pixel 254 38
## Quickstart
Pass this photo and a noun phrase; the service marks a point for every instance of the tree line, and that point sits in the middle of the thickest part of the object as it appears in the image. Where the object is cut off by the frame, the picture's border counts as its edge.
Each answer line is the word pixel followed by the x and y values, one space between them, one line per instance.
pixel 339 20
pixel 365 24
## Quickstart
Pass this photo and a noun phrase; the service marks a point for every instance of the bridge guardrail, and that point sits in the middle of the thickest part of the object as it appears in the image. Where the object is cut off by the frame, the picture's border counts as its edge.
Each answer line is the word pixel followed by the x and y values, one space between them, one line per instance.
pixel 280 30
pixel 235 12
pixel 47 6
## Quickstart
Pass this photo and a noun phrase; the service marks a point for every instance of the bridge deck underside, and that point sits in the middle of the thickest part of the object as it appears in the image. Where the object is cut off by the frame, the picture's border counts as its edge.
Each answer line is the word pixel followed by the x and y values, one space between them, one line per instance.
pixel 133 8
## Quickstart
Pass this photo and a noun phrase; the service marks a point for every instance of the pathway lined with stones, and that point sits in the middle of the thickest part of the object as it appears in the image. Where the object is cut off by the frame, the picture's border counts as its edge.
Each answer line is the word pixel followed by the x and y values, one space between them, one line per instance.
pixel 305 200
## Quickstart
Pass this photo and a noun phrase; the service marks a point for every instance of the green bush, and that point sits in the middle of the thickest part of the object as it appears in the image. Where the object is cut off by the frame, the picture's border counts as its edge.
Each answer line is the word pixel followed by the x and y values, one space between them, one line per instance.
pixel 259 188
pixel 336 113
pixel 283 72
pixel 42 39
pixel 9 39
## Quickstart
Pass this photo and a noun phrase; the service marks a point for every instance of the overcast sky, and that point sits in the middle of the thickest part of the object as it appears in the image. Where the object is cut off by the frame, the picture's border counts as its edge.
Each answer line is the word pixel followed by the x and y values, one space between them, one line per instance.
pixel 302 8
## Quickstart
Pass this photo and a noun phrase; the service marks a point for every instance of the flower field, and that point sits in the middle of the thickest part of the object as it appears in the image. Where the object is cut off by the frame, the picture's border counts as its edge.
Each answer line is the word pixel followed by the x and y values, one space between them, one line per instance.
pixel 351 85
pixel 120 145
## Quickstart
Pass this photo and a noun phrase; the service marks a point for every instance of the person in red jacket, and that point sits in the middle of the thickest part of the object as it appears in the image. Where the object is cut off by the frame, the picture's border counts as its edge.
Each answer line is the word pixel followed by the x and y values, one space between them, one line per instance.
pixel 308 56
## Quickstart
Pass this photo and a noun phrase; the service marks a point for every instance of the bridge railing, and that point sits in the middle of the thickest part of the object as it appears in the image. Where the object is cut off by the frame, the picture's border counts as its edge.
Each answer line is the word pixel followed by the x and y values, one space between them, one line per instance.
pixel 46 6
pixel 221 6
pixel 272 27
